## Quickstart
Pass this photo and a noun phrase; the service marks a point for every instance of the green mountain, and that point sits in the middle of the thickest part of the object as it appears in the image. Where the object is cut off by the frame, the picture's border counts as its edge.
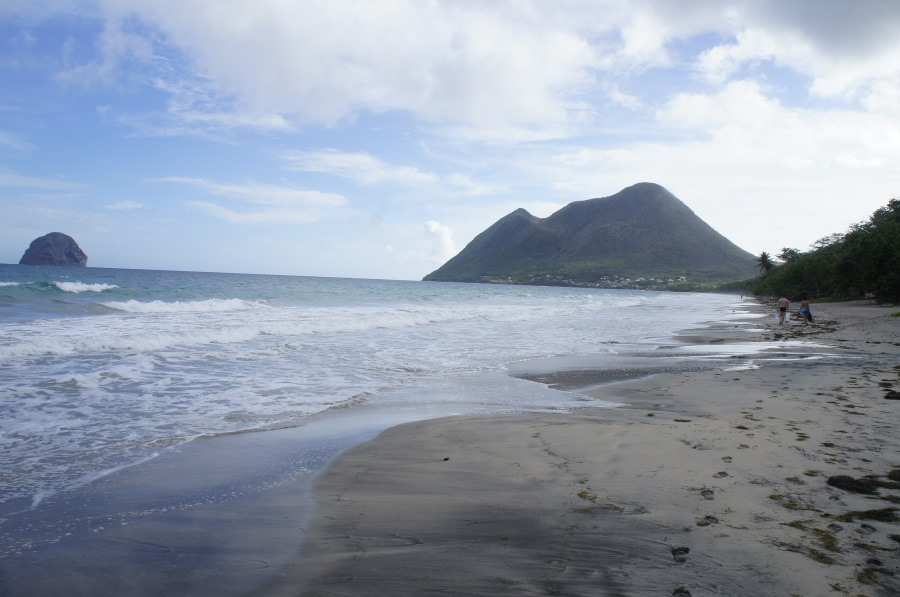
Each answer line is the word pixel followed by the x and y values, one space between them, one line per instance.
pixel 641 231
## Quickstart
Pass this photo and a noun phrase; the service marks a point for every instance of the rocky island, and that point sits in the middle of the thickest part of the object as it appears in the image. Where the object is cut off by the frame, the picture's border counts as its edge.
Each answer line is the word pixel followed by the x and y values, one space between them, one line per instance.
pixel 55 248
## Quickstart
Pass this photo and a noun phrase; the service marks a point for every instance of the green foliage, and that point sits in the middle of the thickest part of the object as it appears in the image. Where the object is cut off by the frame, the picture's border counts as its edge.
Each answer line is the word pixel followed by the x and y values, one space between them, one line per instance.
pixel 865 260
pixel 738 287
pixel 764 262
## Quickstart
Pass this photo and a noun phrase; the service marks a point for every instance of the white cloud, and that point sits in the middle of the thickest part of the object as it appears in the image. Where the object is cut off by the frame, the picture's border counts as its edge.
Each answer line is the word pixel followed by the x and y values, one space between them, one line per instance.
pixel 855 30
pixel 720 62
pixel 764 174
pixel 883 97
pixel 742 121
pixel 266 216
pixel 441 245
pixel 467 186
pixel 644 36
pixel 844 48
pixel 771 119
pixel 369 170
pixel 280 204
pixel 15 142
pixel 360 167
pixel 740 105
pixel 263 194
pixel 506 64
pixel 118 46
pixel 506 71
pixel 630 101
pixel 482 64
pixel 10 179
pixel 127 205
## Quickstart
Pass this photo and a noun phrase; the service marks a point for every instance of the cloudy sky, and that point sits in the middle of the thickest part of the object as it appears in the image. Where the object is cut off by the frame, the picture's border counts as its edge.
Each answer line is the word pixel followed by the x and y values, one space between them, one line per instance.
pixel 376 138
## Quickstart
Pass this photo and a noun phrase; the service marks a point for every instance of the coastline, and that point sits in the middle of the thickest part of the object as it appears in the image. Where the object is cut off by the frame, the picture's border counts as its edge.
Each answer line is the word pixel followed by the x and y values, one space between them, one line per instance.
pixel 705 483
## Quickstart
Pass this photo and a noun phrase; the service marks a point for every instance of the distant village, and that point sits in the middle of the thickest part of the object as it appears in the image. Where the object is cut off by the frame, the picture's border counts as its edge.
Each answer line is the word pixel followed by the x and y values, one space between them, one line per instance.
pixel 681 283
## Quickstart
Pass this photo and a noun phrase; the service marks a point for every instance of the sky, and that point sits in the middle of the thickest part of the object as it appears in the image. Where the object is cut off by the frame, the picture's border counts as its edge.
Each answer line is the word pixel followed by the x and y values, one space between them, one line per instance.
pixel 376 138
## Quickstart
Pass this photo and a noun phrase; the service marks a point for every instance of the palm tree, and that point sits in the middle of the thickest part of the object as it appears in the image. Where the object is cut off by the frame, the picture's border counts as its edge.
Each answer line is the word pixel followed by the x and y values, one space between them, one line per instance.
pixel 764 262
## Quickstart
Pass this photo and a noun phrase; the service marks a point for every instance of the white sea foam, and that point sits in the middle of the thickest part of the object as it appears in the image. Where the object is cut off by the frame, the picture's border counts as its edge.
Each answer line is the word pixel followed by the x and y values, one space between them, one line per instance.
pixel 85 394
pixel 83 340
pixel 9 283
pixel 183 325
pixel 207 306
pixel 77 287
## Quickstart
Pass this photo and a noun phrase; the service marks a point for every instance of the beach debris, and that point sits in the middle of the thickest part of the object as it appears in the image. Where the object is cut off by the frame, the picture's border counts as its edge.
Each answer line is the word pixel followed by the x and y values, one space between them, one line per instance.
pixel 867 577
pixel 848 483
pixel 446 458
pixel 720 475
pixel 879 515
pixel 792 502
pixel 679 553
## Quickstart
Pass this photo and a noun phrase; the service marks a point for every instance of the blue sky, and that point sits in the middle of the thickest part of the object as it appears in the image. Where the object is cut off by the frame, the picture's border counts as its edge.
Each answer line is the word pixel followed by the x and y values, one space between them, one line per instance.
pixel 376 138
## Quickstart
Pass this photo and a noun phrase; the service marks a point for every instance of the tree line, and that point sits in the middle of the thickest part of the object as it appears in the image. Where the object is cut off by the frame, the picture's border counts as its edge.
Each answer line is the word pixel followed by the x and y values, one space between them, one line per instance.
pixel 864 261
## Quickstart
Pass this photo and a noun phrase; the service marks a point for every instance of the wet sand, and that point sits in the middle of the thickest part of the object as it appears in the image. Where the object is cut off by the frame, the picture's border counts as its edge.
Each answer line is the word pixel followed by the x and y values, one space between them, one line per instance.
pixel 777 480
pixel 217 516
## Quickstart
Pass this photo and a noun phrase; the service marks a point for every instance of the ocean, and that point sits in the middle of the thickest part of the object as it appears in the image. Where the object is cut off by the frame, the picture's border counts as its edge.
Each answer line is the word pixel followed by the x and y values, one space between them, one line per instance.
pixel 102 370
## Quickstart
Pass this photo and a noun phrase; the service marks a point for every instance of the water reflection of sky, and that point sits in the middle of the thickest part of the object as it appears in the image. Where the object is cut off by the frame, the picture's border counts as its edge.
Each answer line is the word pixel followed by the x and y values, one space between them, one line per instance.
pixel 747 348
pixel 751 354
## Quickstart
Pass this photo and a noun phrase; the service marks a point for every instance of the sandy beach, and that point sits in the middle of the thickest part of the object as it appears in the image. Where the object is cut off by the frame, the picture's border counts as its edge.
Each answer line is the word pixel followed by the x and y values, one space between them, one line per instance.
pixel 778 480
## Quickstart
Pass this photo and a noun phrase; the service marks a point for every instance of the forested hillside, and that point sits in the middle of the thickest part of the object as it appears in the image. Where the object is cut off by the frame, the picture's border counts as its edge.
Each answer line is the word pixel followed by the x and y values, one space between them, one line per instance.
pixel 863 261
pixel 641 232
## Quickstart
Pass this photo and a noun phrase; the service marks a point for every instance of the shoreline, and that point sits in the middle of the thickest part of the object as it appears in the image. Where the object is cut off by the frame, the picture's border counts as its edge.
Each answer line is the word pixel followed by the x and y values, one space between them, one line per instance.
pixel 234 514
pixel 707 482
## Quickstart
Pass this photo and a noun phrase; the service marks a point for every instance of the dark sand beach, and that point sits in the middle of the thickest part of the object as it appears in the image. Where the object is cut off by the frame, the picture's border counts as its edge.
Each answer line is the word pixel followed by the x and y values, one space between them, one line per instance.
pixel 782 479
pixel 777 480
pixel 216 517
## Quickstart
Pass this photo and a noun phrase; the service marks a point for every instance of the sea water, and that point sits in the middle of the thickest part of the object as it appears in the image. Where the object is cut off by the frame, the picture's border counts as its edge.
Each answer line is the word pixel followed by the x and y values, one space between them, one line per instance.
pixel 102 369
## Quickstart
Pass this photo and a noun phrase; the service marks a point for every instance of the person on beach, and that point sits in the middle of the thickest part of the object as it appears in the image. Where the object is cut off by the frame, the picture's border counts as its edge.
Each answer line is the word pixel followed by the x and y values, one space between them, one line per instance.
pixel 805 312
pixel 783 303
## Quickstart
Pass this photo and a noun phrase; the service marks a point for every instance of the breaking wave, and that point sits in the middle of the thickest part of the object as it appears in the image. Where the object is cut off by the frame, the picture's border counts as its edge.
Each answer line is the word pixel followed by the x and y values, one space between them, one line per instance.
pixel 82 287
pixel 206 306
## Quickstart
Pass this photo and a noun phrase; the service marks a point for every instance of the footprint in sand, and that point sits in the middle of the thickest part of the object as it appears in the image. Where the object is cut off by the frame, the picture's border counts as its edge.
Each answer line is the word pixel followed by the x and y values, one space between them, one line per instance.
pixel 707 520
pixel 680 553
